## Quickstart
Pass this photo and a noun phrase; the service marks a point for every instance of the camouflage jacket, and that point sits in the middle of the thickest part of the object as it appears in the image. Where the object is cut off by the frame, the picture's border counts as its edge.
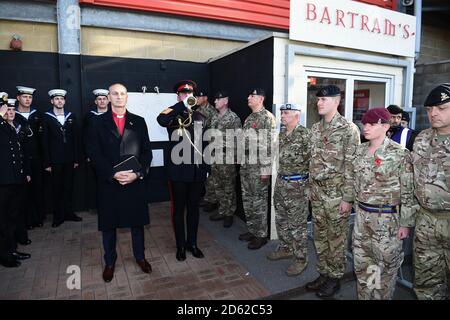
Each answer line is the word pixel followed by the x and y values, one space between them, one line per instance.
pixel 386 177
pixel 208 111
pixel 259 132
pixel 294 151
pixel 333 152
pixel 431 162
pixel 229 121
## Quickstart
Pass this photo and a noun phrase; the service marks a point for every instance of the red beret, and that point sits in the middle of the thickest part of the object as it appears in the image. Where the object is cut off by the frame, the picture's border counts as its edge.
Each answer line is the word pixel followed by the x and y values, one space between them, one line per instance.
pixel 376 115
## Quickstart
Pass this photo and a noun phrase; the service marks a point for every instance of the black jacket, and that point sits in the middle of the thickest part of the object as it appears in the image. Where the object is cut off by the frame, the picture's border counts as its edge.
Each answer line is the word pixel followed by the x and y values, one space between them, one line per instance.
pixel 59 142
pixel 33 127
pixel 12 166
pixel 120 206
pixel 194 169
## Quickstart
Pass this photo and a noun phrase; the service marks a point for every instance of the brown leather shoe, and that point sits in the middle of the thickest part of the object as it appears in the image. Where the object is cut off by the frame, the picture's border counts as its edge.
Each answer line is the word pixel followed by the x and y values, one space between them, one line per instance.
pixel 145 266
pixel 108 273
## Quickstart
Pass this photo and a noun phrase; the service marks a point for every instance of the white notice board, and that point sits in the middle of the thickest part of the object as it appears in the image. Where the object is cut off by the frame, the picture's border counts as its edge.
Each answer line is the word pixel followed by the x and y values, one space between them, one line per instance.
pixel 149 106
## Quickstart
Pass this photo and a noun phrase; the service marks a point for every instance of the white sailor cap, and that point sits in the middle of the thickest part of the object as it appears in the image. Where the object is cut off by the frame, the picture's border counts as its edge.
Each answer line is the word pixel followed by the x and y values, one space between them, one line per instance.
pixel 25 90
pixel 290 106
pixel 57 92
pixel 100 92
pixel 3 94
pixel 12 102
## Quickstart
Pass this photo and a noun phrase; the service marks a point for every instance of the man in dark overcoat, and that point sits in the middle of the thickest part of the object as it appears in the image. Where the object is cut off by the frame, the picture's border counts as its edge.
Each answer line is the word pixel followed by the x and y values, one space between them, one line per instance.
pixel 122 199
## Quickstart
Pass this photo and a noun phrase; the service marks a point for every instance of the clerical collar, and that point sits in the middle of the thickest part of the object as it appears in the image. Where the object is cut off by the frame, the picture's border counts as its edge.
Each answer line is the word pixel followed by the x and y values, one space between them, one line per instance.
pixel 118 116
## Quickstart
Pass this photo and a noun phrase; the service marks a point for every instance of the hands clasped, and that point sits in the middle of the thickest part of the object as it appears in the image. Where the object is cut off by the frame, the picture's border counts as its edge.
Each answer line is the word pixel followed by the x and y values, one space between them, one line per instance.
pixel 125 177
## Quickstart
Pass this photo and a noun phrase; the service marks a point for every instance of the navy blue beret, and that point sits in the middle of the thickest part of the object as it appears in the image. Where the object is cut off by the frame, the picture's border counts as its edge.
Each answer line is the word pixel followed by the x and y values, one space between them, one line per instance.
pixel 438 96
pixel 329 91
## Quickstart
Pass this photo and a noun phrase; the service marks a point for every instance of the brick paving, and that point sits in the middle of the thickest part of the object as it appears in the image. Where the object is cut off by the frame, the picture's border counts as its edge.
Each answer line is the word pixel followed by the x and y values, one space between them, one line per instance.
pixel 216 277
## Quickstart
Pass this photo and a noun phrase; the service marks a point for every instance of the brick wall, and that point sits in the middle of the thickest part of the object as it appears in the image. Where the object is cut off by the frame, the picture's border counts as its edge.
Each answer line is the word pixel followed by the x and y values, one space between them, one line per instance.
pixel 39 37
pixel 435 45
pixel 426 78
pixel 146 45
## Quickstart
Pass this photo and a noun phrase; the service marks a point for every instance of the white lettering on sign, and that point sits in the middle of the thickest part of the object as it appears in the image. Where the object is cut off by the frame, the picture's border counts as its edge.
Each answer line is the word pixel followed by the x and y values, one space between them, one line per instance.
pixel 353 24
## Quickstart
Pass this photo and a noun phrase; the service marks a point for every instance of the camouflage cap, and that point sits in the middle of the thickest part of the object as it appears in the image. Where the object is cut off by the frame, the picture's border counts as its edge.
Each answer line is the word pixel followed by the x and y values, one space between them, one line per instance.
pixel 376 115
pixel 438 96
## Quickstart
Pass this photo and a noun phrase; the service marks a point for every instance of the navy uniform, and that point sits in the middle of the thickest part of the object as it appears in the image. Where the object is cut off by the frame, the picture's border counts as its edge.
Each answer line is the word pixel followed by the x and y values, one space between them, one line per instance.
pixel 60 153
pixel 89 119
pixel 188 177
pixel 12 180
pixel 30 121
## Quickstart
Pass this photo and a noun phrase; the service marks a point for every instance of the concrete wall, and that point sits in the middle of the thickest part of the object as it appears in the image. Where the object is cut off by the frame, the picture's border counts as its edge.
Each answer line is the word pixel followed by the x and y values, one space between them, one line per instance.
pixel 36 36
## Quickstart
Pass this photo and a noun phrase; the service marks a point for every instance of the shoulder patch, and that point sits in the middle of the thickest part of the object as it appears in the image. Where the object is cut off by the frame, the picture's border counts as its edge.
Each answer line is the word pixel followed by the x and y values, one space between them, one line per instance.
pixel 167 111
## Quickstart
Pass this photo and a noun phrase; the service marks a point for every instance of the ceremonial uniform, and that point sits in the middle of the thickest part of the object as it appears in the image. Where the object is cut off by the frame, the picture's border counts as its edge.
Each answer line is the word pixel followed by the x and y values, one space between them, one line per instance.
pixel 431 161
pixel 31 124
pixel 291 196
pixel 186 168
pixel 89 120
pixel 224 172
pixel 258 132
pixel 60 152
pixel 383 183
pixel 13 171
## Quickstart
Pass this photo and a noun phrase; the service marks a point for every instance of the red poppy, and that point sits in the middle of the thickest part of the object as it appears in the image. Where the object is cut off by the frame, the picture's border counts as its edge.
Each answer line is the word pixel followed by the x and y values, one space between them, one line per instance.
pixel 377 162
pixel 254 125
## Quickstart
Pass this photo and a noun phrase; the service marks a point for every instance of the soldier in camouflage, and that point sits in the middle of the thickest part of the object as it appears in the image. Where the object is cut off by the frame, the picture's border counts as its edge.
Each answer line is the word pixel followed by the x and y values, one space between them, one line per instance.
pixel 334 142
pixel 383 182
pixel 224 173
pixel 256 167
pixel 208 111
pixel 291 196
pixel 431 162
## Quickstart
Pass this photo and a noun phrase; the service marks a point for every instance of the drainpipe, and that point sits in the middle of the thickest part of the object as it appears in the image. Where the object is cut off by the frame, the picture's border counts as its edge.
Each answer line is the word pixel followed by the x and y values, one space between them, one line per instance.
pixel 418 14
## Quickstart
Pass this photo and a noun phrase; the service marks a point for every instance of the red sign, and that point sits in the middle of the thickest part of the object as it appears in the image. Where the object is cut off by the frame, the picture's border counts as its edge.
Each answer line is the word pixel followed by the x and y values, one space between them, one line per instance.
pixel 269 13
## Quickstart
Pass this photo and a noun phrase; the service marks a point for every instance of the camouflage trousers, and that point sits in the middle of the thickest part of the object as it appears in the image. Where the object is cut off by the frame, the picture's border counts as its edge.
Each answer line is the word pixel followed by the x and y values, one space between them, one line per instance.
pixel 377 254
pixel 432 255
pixel 210 193
pixel 291 203
pixel 330 229
pixel 254 199
pixel 225 187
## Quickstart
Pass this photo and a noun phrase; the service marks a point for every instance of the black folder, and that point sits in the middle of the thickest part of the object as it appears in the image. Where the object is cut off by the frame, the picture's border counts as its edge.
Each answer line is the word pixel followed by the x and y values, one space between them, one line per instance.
pixel 130 163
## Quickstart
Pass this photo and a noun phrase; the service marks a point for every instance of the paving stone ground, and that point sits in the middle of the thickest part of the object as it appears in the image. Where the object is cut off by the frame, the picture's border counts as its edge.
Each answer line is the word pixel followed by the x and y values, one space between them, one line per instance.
pixel 44 275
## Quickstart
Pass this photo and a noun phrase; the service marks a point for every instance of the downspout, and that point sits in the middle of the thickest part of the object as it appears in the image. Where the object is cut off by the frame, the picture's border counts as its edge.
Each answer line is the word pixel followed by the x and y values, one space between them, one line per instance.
pixel 418 14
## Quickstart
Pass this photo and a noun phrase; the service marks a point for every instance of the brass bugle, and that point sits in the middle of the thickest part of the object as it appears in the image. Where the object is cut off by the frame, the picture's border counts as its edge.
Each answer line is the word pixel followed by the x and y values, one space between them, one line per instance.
pixel 191 101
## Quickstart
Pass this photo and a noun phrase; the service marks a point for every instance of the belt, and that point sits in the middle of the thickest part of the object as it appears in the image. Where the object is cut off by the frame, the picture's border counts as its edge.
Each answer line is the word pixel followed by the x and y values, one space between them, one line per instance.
pixel 382 208
pixel 295 177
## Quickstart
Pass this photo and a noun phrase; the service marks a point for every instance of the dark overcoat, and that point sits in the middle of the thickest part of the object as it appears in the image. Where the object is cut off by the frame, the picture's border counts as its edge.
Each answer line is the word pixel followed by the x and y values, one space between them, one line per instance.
pixel 119 206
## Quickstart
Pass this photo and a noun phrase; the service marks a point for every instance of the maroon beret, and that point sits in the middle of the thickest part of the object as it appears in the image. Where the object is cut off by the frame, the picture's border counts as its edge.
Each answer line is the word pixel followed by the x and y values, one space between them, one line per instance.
pixel 376 115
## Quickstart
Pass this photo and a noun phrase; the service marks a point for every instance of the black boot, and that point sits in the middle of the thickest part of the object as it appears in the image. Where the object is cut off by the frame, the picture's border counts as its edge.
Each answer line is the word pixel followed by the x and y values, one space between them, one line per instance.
pixel 316 284
pixel 329 288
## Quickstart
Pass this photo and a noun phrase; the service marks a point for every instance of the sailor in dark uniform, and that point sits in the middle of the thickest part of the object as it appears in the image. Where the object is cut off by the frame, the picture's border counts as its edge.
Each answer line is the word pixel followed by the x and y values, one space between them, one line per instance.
pixel 60 153
pixel 101 106
pixel 30 120
pixel 13 176
pixel 186 178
